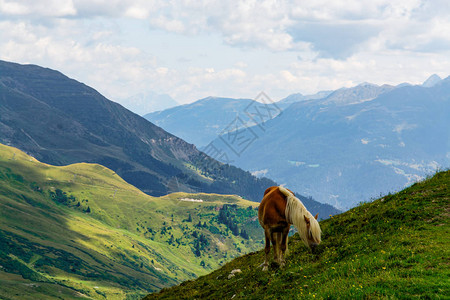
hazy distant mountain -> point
(432, 81)
(299, 97)
(61, 121)
(360, 93)
(144, 103)
(202, 121)
(403, 84)
(344, 149)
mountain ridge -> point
(323, 149)
(187, 120)
(393, 134)
(61, 121)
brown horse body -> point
(279, 209)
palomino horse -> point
(278, 210)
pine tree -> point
(244, 234)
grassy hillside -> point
(396, 247)
(80, 230)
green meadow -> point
(396, 247)
(81, 231)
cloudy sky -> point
(194, 49)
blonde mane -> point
(295, 213)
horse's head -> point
(296, 213)
(313, 232)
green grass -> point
(396, 247)
(128, 245)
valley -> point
(82, 230)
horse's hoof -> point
(264, 266)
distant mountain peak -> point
(365, 83)
(362, 92)
(297, 97)
(146, 102)
(432, 81)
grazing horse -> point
(278, 210)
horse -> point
(279, 209)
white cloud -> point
(339, 43)
(168, 24)
(137, 12)
(260, 173)
(330, 28)
(42, 8)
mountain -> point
(202, 121)
(206, 119)
(396, 247)
(345, 150)
(360, 93)
(144, 103)
(299, 97)
(80, 231)
(432, 81)
(61, 121)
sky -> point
(194, 49)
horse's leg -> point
(274, 238)
(266, 250)
(277, 236)
(280, 248)
(284, 243)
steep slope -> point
(81, 230)
(396, 247)
(342, 153)
(61, 121)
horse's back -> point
(268, 190)
(272, 208)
